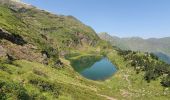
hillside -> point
(52, 35)
(33, 44)
(38, 51)
(154, 45)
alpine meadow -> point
(49, 56)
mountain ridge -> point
(139, 44)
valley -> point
(44, 56)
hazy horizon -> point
(113, 35)
(145, 19)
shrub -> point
(149, 63)
(8, 89)
(45, 86)
(166, 81)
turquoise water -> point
(96, 70)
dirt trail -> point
(107, 97)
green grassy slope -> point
(30, 80)
(42, 32)
(39, 27)
(127, 84)
(23, 79)
(32, 48)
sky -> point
(123, 18)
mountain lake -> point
(95, 68)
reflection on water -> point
(94, 68)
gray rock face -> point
(2, 52)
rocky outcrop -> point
(84, 39)
(17, 52)
(14, 38)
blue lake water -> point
(100, 69)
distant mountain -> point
(159, 46)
